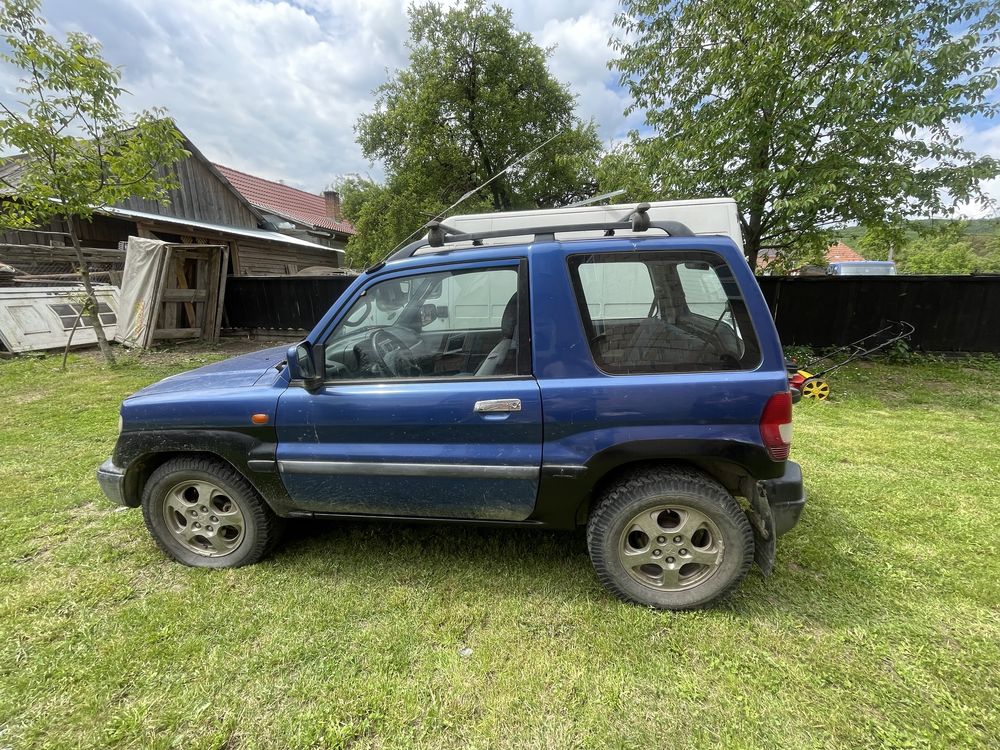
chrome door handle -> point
(498, 405)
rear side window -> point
(663, 312)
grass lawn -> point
(880, 627)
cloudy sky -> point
(273, 87)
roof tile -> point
(840, 252)
(295, 204)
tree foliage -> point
(808, 112)
(476, 96)
(940, 247)
(77, 150)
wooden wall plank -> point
(201, 196)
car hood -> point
(238, 372)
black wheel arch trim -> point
(248, 450)
(564, 501)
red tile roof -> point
(297, 205)
(840, 252)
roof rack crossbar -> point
(440, 234)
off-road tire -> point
(261, 528)
(645, 490)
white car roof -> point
(704, 217)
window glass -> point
(617, 290)
(444, 324)
(663, 312)
(703, 290)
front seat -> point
(496, 360)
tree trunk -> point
(102, 340)
(751, 248)
(69, 341)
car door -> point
(415, 419)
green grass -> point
(880, 627)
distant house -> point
(317, 218)
(205, 208)
(836, 253)
(839, 253)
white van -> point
(862, 268)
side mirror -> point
(428, 314)
(307, 363)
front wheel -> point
(669, 538)
(202, 513)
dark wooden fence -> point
(949, 313)
(280, 302)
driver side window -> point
(443, 324)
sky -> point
(274, 87)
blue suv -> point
(633, 385)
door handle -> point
(498, 405)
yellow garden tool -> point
(814, 384)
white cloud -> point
(275, 87)
(581, 59)
(984, 141)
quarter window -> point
(663, 312)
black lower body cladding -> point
(786, 497)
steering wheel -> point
(393, 355)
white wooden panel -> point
(39, 318)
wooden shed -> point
(205, 209)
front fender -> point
(249, 450)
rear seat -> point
(652, 340)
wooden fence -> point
(950, 313)
(280, 303)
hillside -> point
(979, 232)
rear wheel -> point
(669, 538)
(203, 513)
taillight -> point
(776, 426)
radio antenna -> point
(469, 194)
(595, 199)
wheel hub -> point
(203, 518)
(671, 548)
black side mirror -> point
(428, 314)
(307, 363)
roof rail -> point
(637, 220)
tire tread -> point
(270, 527)
(663, 479)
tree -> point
(944, 248)
(384, 215)
(79, 151)
(809, 113)
(476, 96)
(883, 241)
